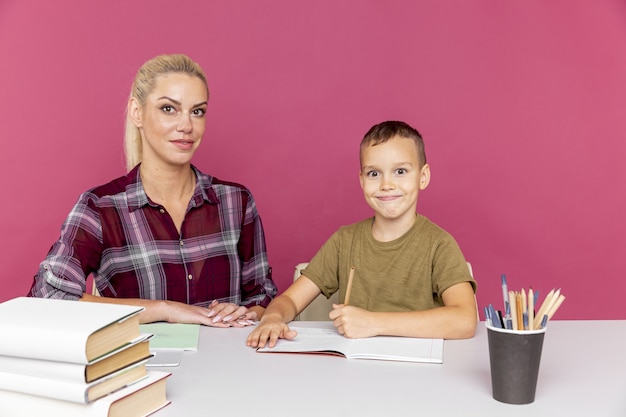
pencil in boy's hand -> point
(349, 288)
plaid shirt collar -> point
(137, 197)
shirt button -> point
(190, 276)
(162, 210)
(181, 243)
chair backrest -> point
(320, 307)
(94, 289)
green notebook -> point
(173, 335)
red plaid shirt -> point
(133, 249)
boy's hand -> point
(352, 322)
(269, 329)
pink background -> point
(521, 103)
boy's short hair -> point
(384, 131)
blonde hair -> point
(144, 84)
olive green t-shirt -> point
(406, 274)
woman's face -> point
(173, 119)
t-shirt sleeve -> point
(324, 266)
(449, 266)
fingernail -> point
(228, 318)
(211, 313)
(217, 318)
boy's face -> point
(391, 178)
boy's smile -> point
(391, 178)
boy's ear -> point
(424, 176)
(134, 112)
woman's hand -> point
(217, 315)
(230, 315)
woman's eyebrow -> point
(203, 103)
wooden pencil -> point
(555, 306)
(519, 310)
(542, 310)
(531, 309)
(349, 288)
(513, 308)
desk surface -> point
(582, 373)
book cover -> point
(140, 399)
(173, 336)
(73, 391)
(65, 330)
(390, 348)
(126, 355)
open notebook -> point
(328, 341)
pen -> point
(349, 288)
(495, 320)
(505, 292)
(507, 317)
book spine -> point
(16, 404)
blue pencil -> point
(495, 320)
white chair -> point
(320, 307)
(94, 289)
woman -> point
(186, 246)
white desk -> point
(582, 373)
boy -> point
(410, 277)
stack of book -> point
(74, 358)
